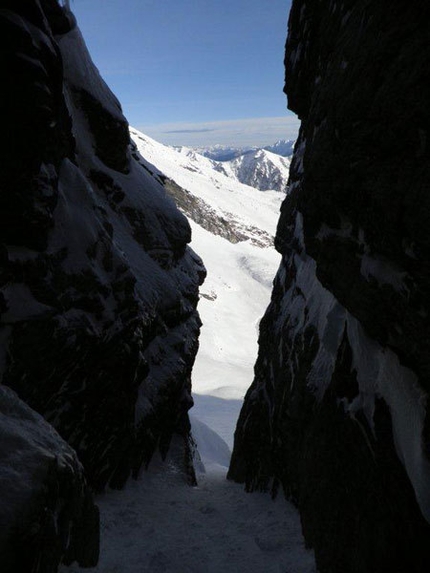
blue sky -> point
(194, 72)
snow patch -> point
(380, 373)
(383, 271)
(80, 71)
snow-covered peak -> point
(223, 152)
(261, 169)
(284, 147)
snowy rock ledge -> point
(98, 287)
(338, 413)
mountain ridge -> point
(260, 168)
(218, 152)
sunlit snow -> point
(237, 289)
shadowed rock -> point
(47, 513)
(98, 320)
(337, 414)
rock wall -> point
(338, 414)
(98, 288)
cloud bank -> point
(239, 132)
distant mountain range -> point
(262, 168)
(282, 147)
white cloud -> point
(239, 132)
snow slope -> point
(238, 284)
(221, 192)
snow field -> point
(239, 278)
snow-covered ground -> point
(160, 524)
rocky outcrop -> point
(225, 226)
(338, 412)
(46, 512)
(98, 324)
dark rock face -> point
(99, 288)
(337, 414)
(98, 324)
(47, 513)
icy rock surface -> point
(338, 411)
(98, 323)
(46, 509)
